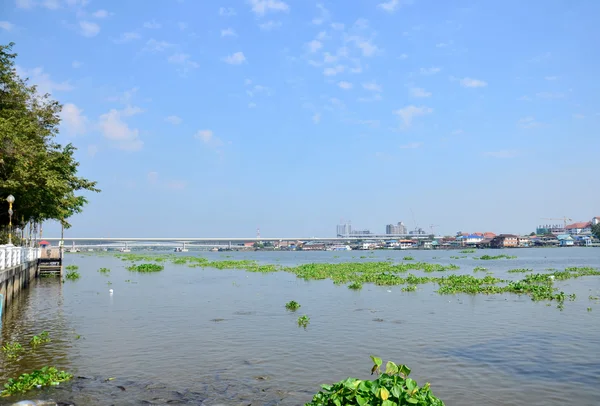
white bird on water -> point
(110, 291)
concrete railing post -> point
(3, 258)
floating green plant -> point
(589, 309)
(409, 288)
(501, 256)
(303, 321)
(71, 267)
(520, 270)
(104, 270)
(12, 350)
(479, 269)
(468, 251)
(355, 286)
(392, 388)
(46, 376)
(408, 258)
(292, 305)
(43, 338)
(72, 275)
(145, 268)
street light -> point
(10, 199)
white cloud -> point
(411, 145)
(525, 98)
(5, 25)
(235, 59)
(127, 37)
(419, 92)
(469, 82)
(175, 120)
(345, 85)
(251, 105)
(206, 136)
(73, 120)
(314, 45)
(389, 6)
(182, 26)
(152, 25)
(334, 70)
(550, 95)
(184, 62)
(89, 29)
(76, 64)
(337, 26)
(270, 25)
(368, 49)
(457, 132)
(403, 56)
(328, 58)
(152, 177)
(100, 13)
(316, 118)
(551, 77)
(503, 153)
(409, 112)
(443, 44)
(261, 7)
(578, 116)
(153, 45)
(42, 80)
(374, 98)
(430, 71)
(361, 24)
(51, 4)
(228, 32)
(528, 122)
(372, 86)
(116, 130)
(226, 11)
(323, 15)
(25, 4)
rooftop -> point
(584, 224)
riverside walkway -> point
(18, 266)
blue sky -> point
(213, 118)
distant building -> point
(566, 240)
(344, 230)
(555, 229)
(395, 229)
(505, 241)
(360, 233)
(418, 231)
(579, 228)
(595, 220)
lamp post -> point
(10, 199)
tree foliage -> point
(596, 230)
(40, 173)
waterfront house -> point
(505, 241)
(524, 241)
(579, 228)
(489, 235)
(566, 240)
(406, 244)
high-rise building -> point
(344, 229)
(399, 228)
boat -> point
(181, 249)
(214, 249)
(125, 249)
(339, 247)
(73, 249)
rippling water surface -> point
(206, 336)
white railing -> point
(12, 256)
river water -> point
(222, 337)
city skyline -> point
(204, 119)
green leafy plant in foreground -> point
(73, 275)
(42, 377)
(292, 305)
(43, 338)
(392, 388)
(146, 268)
(303, 321)
(12, 350)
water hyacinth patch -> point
(43, 338)
(73, 275)
(292, 306)
(303, 321)
(392, 388)
(490, 257)
(12, 350)
(71, 267)
(145, 268)
(104, 270)
(355, 286)
(46, 376)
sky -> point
(215, 118)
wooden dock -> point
(50, 262)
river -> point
(222, 337)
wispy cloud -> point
(42, 80)
(237, 58)
(226, 11)
(228, 32)
(503, 153)
(175, 120)
(208, 138)
(337, 26)
(372, 86)
(551, 78)
(469, 82)
(316, 118)
(314, 45)
(323, 15)
(419, 92)
(409, 112)
(549, 95)
(88, 28)
(5, 25)
(430, 71)
(127, 37)
(152, 25)
(262, 7)
(76, 64)
(390, 6)
(73, 120)
(100, 14)
(153, 45)
(528, 122)
(114, 128)
(578, 116)
(270, 25)
(333, 70)
(345, 85)
(184, 62)
(411, 145)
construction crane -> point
(564, 219)
(432, 226)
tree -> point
(596, 230)
(40, 173)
